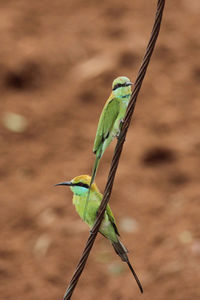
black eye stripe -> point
(118, 85)
(82, 185)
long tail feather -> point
(121, 250)
(94, 171)
(135, 276)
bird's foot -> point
(121, 123)
(120, 128)
(118, 134)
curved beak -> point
(68, 183)
(129, 83)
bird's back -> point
(106, 122)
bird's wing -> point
(106, 122)
(112, 219)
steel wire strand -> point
(118, 149)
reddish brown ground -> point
(57, 63)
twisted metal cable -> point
(118, 149)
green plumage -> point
(108, 228)
(108, 126)
(109, 122)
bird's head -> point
(80, 185)
(121, 87)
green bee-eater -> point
(80, 186)
(110, 120)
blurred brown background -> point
(57, 63)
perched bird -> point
(79, 186)
(110, 121)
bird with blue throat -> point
(108, 228)
(110, 121)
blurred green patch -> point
(116, 268)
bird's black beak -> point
(129, 83)
(68, 183)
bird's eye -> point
(82, 185)
(118, 85)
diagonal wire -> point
(118, 149)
